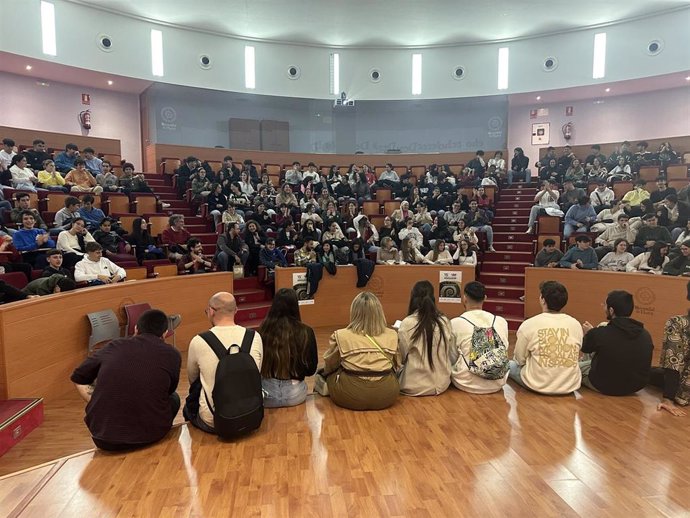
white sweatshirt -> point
(548, 348)
(87, 270)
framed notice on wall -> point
(540, 133)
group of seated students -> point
(640, 232)
(368, 364)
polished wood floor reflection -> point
(509, 454)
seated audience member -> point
(410, 254)
(93, 164)
(56, 283)
(334, 235)
(287, 235)
(621, 172)
(270, 257)
(618, 258)
(217, 204)
(673, 215)
(652, 261)
(674, 371)
(493, 329)
(477, 166)
(409, 231)
(65, 160)
(96, 269)
(548, 346)
(388, 253)
(401, 215)
(566, 159)
(107, 179)
(194, 261)
(142, 242)
(662, 190)
(255, 238)
(465, 255)
(50, 179)
(37, 155)
(23, 205)
(72, 242)
(231, 249)
(571, 195)
(202, 360)
(476, 218)
(581, 256)
(286, 196)
(355, 252)
(649, 233)
(680, 265)
(32, 241)
(550, 155)
(54, 257)
(455, 215)
(184, 173)
(130, 385)
(289, 352)
(388, 230)
(66, 215)
(389, 178)
(550, 172)
(546, 198)
(499, 163)
(80, 180)
(519, 167)
(608, 217)
(7, 153)
(601, 197)
(361, 360)
(175, 236)
(366, 231)
(632, 199)
(293, 177)
(232, 216)
(576, 173)
(549, 256)
(425, 342)
(579, 217)
(305, 254)
(113, 244)
(621, 351)
(621, 230)
(595, 154)
(439, 254)
(598, 170)
(201, 186)
(22, 177)
(92, 216)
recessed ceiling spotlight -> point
(687, 78)
(538, 97)
(607, 90)
(110, 82)
(29, 67)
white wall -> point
(79, 26)
(659, 114)
(56, 108)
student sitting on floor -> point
(361, 359)
(133, 402)
(425, 339)
(290, 353)
(548, 346)
(621, 351)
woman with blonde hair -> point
(425, 339)
(361, 360)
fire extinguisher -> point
(85, 119)
(567, 130)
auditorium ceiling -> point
(376, 23)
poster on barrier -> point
(299, 284)
(450, 287)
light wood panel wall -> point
(390, 283)
(680, 145)
(43, 340)
(657, 298)
(25, 137)
(155, 152)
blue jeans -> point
(278, 393)
(514, 373)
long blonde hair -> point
(366, 315)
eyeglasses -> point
(210, 307)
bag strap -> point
(247, 341)
(380, 349)
(214, 343)
(471, 323)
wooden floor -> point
(510, 454)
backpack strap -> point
(247, 341)
(467, 320)
(214, 343)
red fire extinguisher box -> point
(18, 417)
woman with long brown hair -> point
(290, 352)
(425, 339)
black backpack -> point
(237, 394)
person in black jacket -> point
(518, 167)
(621, 351)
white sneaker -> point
(491, 249)
(529, 231)
(165, 205)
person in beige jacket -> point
(425, 339)
(361, 360)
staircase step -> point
(256, 323)
(505, 307)
(515, 198)
(249, 295)
(503, 267)
(495, 291)
(512, 228)
(513, 246)
(247, 283)
(509, 220)
(252, 311)
(514, 204)
(513, 236)
(519, 212)
(518, 257)
(507, 279)
(513, 322)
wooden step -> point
(252, 311)
(496, 291)
(247, 283)
(500, 278)
(513, 204)
(515, 228)
(505, 307)
(513, 236)
(517, 257)
(513, 246)
(250, 295)
(503, 267)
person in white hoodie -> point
(548, 346)
(96, 269)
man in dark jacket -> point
(621, 351)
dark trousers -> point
(191, 407)
(111, 446)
